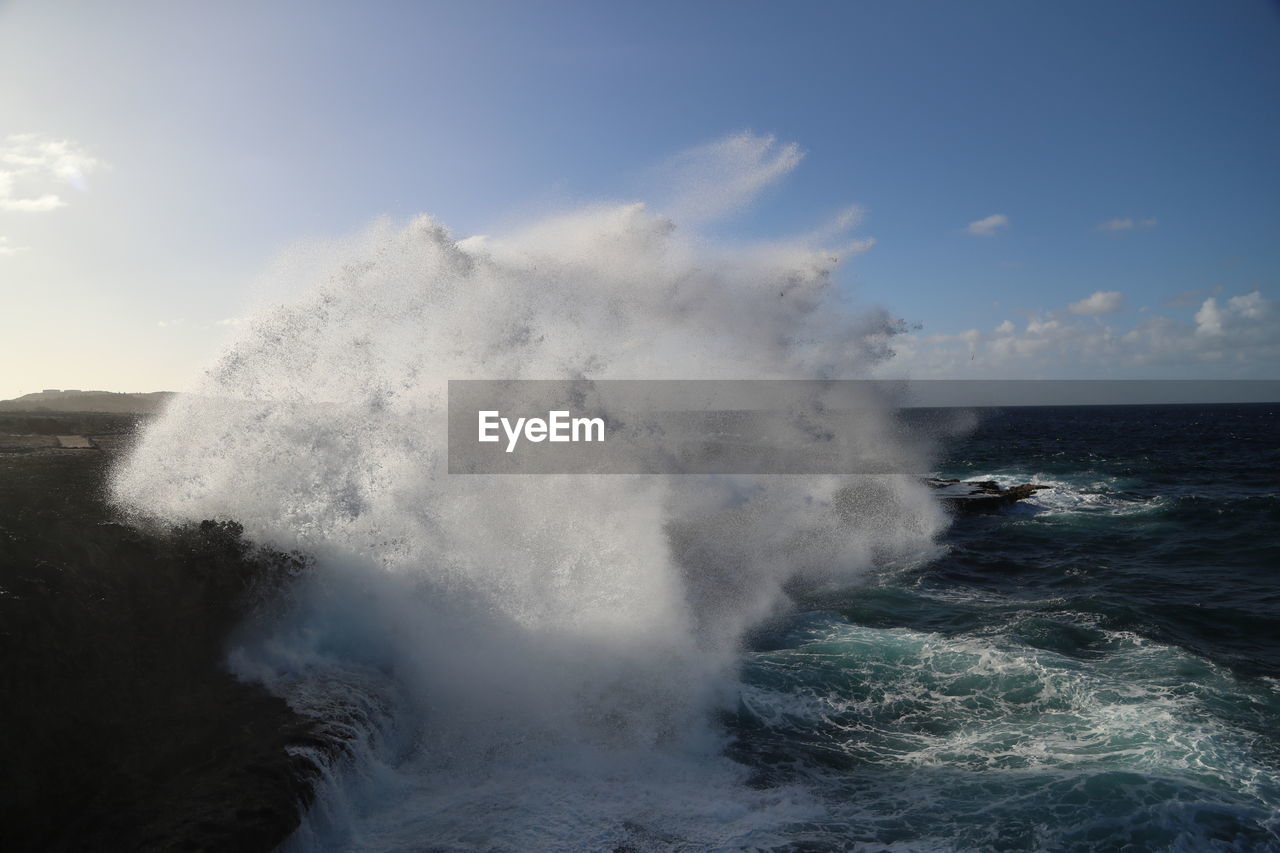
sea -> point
(636, 662)
(1094, 668)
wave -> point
(990, 744)
(528, 661)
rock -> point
(979, 495)
(121, 727)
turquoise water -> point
(1095, 668)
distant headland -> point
(75, 400)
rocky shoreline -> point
(121, 727)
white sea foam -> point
(964, 726)
(523, 661)
(1078, 494)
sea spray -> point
(526, 661)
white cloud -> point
(33, 166)
(1232, 337)
(1239, 313)
(1128, 223)
(49, 201)
(6, 249)
(1036, 326)
(989, 226)
(1100, 302)
(1251, 305)
(1209, 318)
(232, 321)
(169, 324)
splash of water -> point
(572, 631)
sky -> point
(1054, 190)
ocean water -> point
(732, 662)
(531, 662)
(1094, 668)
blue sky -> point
(154, 158)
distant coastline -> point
(110, 402)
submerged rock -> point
(979, 495)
